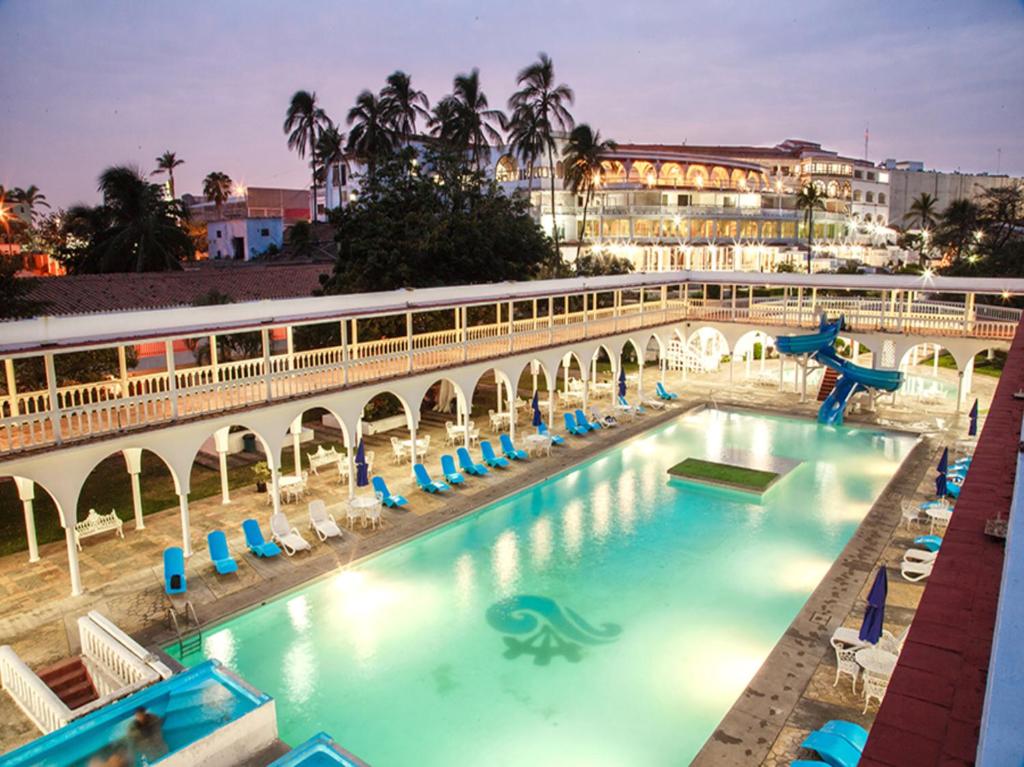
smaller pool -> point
(192, 705)
(318, 751)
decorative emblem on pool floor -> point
(547, 629)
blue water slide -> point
(852, 378)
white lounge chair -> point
(920, 555)
(286, 535)
(915, 571)
(322, 521)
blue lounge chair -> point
(451, 474)
(556, 439)
(834, 749)
(662, 393)
(572, 428)
(638, 409)
(174, 571)
(583, 423)
(490, 458)
(390, 499)
(856, 735)
(929, 542)
(254, 539)
(511, 451)
(425, 482)
(219, 554)
(467, 464)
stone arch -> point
(641, 171)
(506, 169)
(10, 495)
(696, 175)
(504, 391)
(613, 171)
(671, 174)
(131, 460)
(737, 178)
(719, 176)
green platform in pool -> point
(725, 475)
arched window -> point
(881, 197)
(856, 195)
(832, 189)
(869, 197)
(867, 217)
(506, 169)
(880, 219)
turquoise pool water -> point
(608, 616)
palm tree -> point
(526, 141)
(137, 230)
(582, 156)
(958, 228)
(329, 150)
(549, 104)
(303, 122)
(402, 105)
(31, 198)
(811, 198)
(472, 124)
(217, 189)
(923, 211)
(166, 163)
(370, 137)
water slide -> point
(852, 378)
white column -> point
(935, 362)
(275, 487)
(27, 494)
(764, 351)
(172, 377)
(73, 569)
(267, 373)
(220, 441)
(351, 460)
(512, 415)
(289, 346)
(133, 460)
(51, 385)
(552, 393)
(414, 452)
(296, 430)
(186, 535)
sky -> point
(90, 83)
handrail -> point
(39, 702)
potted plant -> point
(261, 472)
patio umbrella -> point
(943, 466)
(973, 430)
(622, 382)
(537, 419)
(940, 485)
(874, 615)
(362, 470)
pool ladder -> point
(191, 639)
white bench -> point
(322, 458)
(94, 523)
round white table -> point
(421, 446)
(940, 515)
(537, 442)
(877, 662)
(360, 506)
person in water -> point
(146, 734)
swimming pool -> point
(607, 616)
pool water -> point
(608, 616)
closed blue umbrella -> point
(874, 615)
(362, 470)
(940, 486)
(943, 466)
(973, 430)
(537, 419)
(622, 382)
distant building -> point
(289, 205)
(243, 239)
(909, 180)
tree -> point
(810, 199)
(166, 163)
(957, 230)
(230, 346)
(582, 158)
(302, 123)
(592, 265)
(14, 293)
(300, 238)
(135, 229)
(549, 104)
(369, 137)
(403, 105)
(923, 211)
(471, 125)
(31, 198)
(217, 189)
(444, 120)
(526, 141)
(330, 149)
(444, 226)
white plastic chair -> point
(874, 689)
(911, 512)
(449, 435)
(289, 537)
(890, 643)
(422, 446)
(940, 520)
(474, 433)
(398, 449)
(372, 514)
(846, 663)
(323, 522)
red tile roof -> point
(86, 294)
(932, 709)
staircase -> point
(828, 383)
(70, 681)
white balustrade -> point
(39, 702)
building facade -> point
(243, 239)
(289, 205)
(909, 180)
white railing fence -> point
(39, 702)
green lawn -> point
(723, 473)
(982, 366)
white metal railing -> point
(152, 399)
(39, 702)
